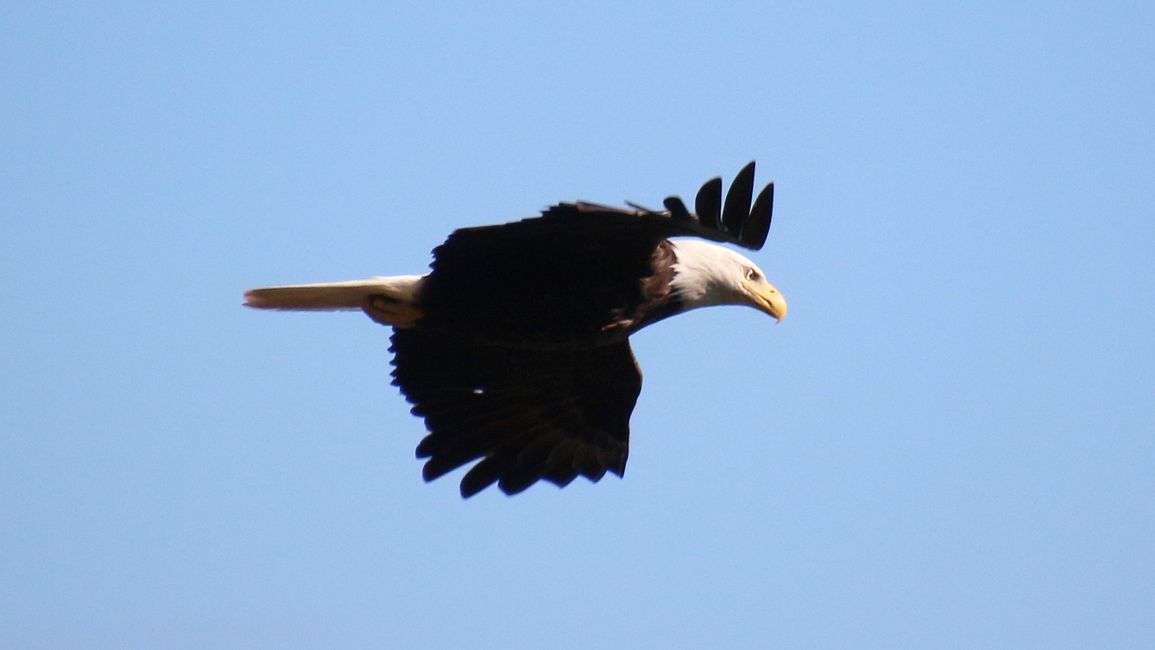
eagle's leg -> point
(391, 311)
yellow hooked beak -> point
(764, 297)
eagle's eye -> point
(752, 274)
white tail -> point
(330, 296)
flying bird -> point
(515, 349)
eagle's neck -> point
(705, 275)
(685, 275)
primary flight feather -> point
(515, 349)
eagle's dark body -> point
(547, 394)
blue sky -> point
(949, 442)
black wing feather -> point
(708, 203)
(758, 225)
(677, 209)
(737, 209)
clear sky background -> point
(949, 443)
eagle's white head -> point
(707, 274)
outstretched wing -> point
(734, 221)
(525, 414)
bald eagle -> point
(515, 349)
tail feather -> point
(332, 296)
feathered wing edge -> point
(732, 220)
(517, 416)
